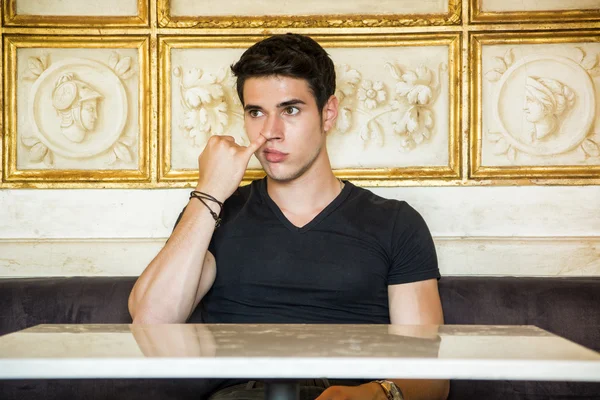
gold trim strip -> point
(118, 30)
(11, 18)
(452, 17)
(476, 15)
(476, 169)
(437, 182)
(2, 114)
(11, 173)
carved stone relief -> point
(394, 106)
(80, 107)
(539, 107)
(77, 7)
(538, 5)
(204, 103)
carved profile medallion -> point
(78, 108)
(545, 105)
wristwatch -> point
(391, 390)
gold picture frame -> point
(517, 173)
(12, 19)
(16, 177)
(166, 20)
(478, 16)
(376, 176)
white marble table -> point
(294, 351)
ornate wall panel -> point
(398, 96)
(307, 13)
(535, 102)
(539, 10)
(76, 13)
(77, 109)
(427, 97)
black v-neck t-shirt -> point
(335, 269)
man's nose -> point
(273, 127)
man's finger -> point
(228, 138)
(255, 145)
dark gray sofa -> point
(569, 307)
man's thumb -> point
(255, 145)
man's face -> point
(284, 111)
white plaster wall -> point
(539, 231)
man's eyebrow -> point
(252, 107)
(288, 103)
(283, 104)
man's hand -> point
(222, 165)
(368, 391)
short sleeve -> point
(413, 252)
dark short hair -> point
(291, 55)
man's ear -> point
(330, 112)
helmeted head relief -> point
(75, 101)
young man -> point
(299, 246)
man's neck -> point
(305, 197)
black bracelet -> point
(200, 196)
(205, 196)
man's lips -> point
(274, 156)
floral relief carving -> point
(78, 109)
(408, 112)
(557, 99)
(346, 86)
(208, 103)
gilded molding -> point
(42, 147)
(476, 15)
(588, 147)
(452, 17)
(11, 18)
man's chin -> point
(281, 176)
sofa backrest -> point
(568, 307)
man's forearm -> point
(166, 290)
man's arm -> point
(174, 282)
(168, 290)
(416, 303)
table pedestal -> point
(282, 390)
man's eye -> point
(255, 113)
(291, 110)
